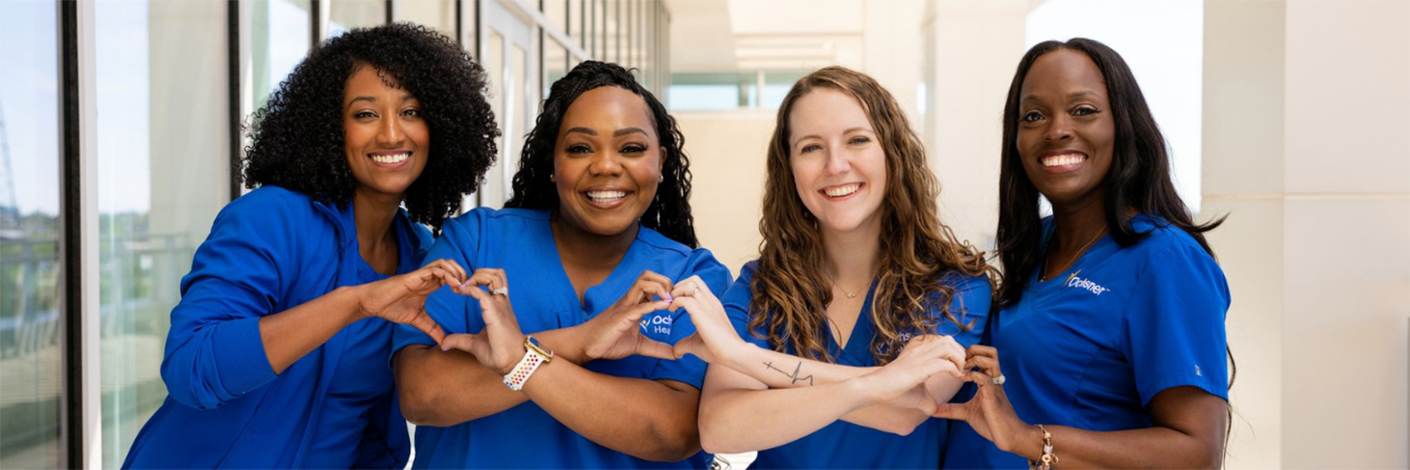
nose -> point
(389, 132)
(836, 163)
(606, 164)
(1059, 129)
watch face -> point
(539, 346)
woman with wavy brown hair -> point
(854, 318)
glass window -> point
(577, 22)
(344, 15)
(31, 358)
(555, 63)
(163, 174)
(279, 40)
(435, 14)
(557, 13)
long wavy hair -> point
(1139, 178)
(918, 253)
(669, 212)
(298, 134)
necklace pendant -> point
(851, 295)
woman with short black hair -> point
(276, 357)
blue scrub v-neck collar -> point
(589, 305)
(858, 347)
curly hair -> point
(918, 253)
(669, 212)
(298, 134)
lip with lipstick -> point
(840, 192)
(390, 159)
(606, 197)
(1062, 161)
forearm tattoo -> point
(794, 374)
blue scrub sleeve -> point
(214, 352)
(1175, 323)
(691, 369)
(459, 242)
(970, 307)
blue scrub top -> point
(269, 251)
(846, 445)
(520, 241)
(1091, 347)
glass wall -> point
(164, 99)
(31, 357)
(162, 151)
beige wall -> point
(727, 152)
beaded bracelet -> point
(1048, 458)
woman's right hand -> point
(923, 356)
(402, 298)
(616, 332)
(715, 338)
(501, 344)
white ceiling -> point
(732, 35)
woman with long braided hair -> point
(597, 233)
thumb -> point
(652, 348)
(955, 411)
(459, 341)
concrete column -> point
(1242, 176)
(891, 42)
(1346, 234)
(970, 51)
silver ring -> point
(1000, 380)
(500, 291)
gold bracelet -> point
(1046, 461)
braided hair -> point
(669, 212)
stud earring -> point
(550, 177)
(660, 178)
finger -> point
(658, 279)
(688, 287)
(652, 348)
(984, 381)
(957, 411)
(481, 277)
(690, 304)
(647, 289)
(982, 350)
(634, 314)
(988, 365)
(429, 326)
(459, 341)
(687, 346)
(460, 271)
(457, 274)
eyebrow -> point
(815, 136)
(1073, 95)
(373, 99)
(617, 133)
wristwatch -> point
(535, 355)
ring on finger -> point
(999, 379)
(500, 291)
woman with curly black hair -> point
(276, 354)
(596, 234)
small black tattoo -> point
(794, 375)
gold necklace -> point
(1042, 277)
(850, 295)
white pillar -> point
(971, 50)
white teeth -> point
(606, 196)
(394, 158)
(839, 191)
(1063, 160)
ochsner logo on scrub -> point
(659, 324)
(1086, 284)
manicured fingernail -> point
(466, 283)
(669, 299)
(445, 347)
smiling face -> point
(384, 136)
(1065, 129)
(607, 161)
(838, 164)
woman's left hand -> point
(616, 332)
(714, 338)
(402, 298)
(501, 344)
(989, 412)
